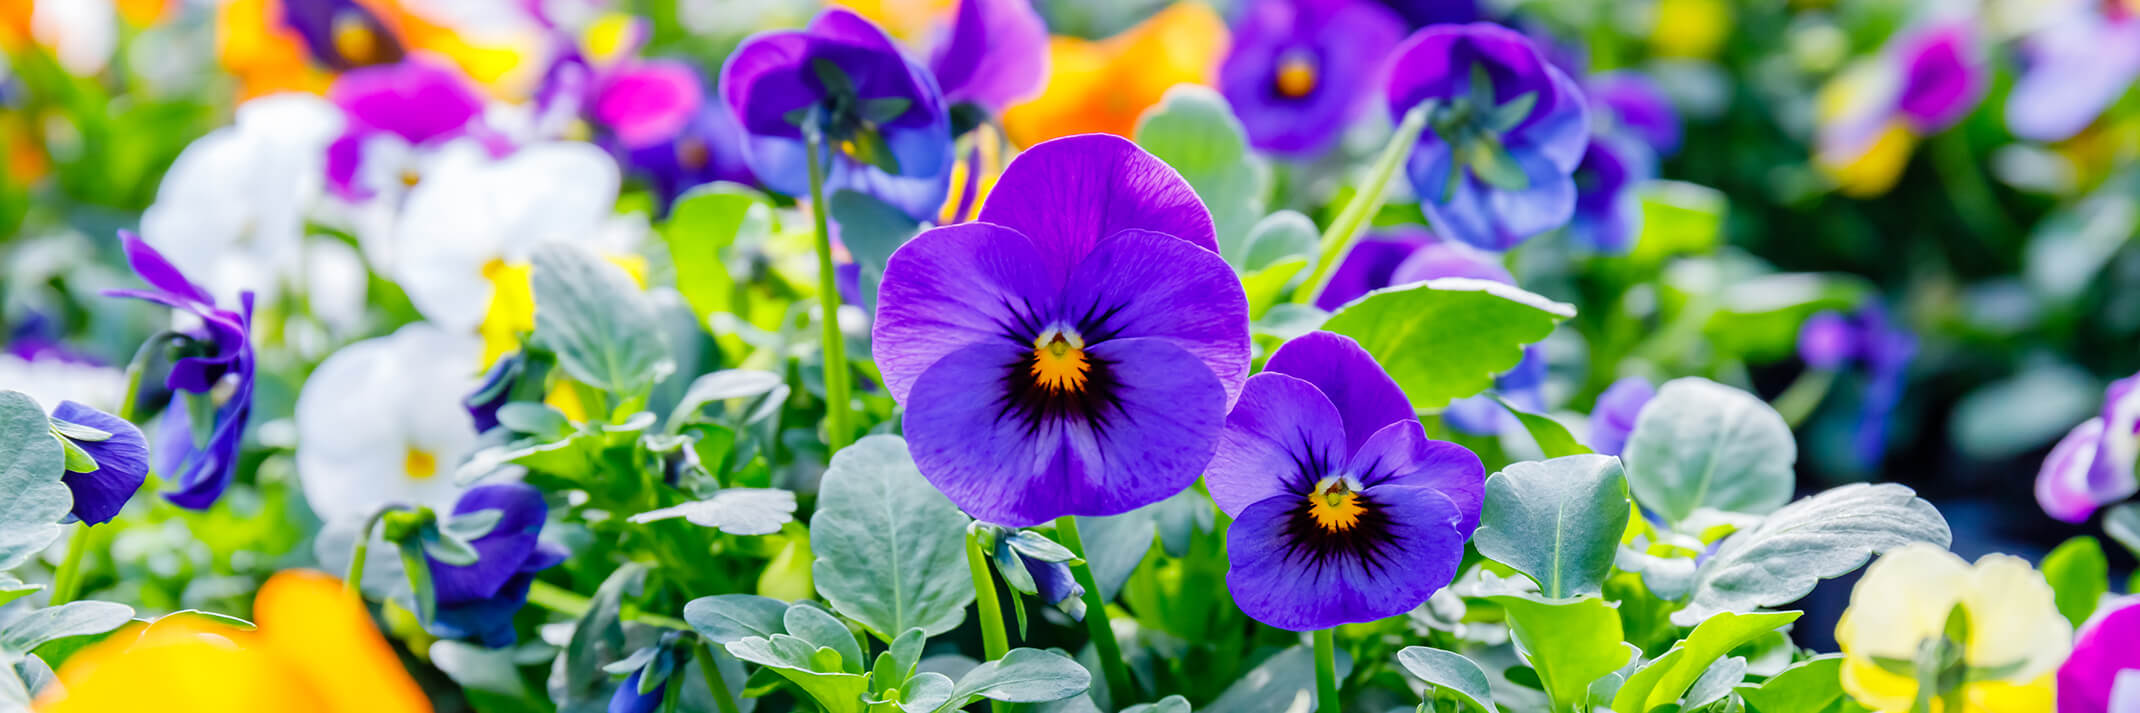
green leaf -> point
(601, 326)
(1024, 676)
(469, 526)
(1446, 339)
(13, 588)
(728, 618)
(1665, 679)
(872, 230)
(1701, 444)
(1280, 235)
(821, 630)
(1264, 286)
(82, 618)
(1818, 537)
(1557, 521)
(736, 511)
(78, 432)
(831, 77)
(535, 419)
(1678, 218)
(576, 677)
(1571, 643)
(1450, 671)
(1512, 112)
(795, 660)
(1169, 704)
(890, 548)
(702, 225)
(2079, 575)
(30, 469)
(722, 386)
(1284, 680)
(925, 692)
(2121, 523)
(1715, 683)
(1193, 130)
(1553, 438)
(1480, 92)
(884, 109)
(78, 460)
(1810, 686)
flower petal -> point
(2062, 483)
(952, 287)
(1068, 194)
(996, 55)
(1279, 583)
(1282, 436)
(503, 551)
(1139, 283)
(1401, 455)
(122, 463)
(1365, 395)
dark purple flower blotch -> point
(1074, 350)
(1505, 131)
(478, 601)
(1300, 71)
(1613, 418)
(122, 462)
(217, 352)
(1344, 511)
(341, 34)
(882, 120)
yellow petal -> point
(1903, 599)
(1869, 170)
(909, 20)
(2013, 616)
(1876, 688)
(1691, 28)
(1999, 697)
(324, 634)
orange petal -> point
(1104, 87)
(324, 634)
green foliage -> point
(1810, 686)
(1557, 521)
(1570, 643)
(600, 325)
(30, 468)
(2079, 575)
(890, 548)
(1450, 672)
(1193, 130)
(1700, 444)
(1666, 679)
(1445, 339)
(1821, 536)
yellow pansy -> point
(1899, 614)
(1870, 169)
(1860, 148)
(316, 651)
(1103, 86)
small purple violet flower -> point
(1613, 418)
(216, 354)
(341, 34)
(1300, 71)
(1505, 131)
(1631, 103)
(1344, 511)
(880, 120)
(478, 601)
(2063, 488)
(1371, 263)
(121, 455)
(1074, 350)
(1872, 341)
(1608, 214)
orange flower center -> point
(354, 39)
(1335, 505)
(1059, 361)
(1296, 75)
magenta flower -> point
(2093, 465)
(1074, 350)
(394, 113)
(217, 352)
(1300, 71)
(2102, 675)
(1943, 76)
(1505, 132)
(1344, 511)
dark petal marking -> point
(1361, 545)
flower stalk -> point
(1344, 232)
(1326, 683)
(1120, 689)
(838, 432)
(993, 639)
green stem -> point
(1120, 689)
(554, 598)
(993, 639)
(67, 581)
(672, 690)
(1326, 683)
(838, 432)
(1344, 232)
(711, 670)
(1797, 402)
(353, 579)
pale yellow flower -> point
(2016, 637)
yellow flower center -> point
(1335, 505)
(354, 39)
(1296, 75)
(418, 463)
(1059, 361)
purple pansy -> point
(2062, 485)
(1522, 387)
(1871, 341)
(1369, 265)
(478, 601)
(1608, 214)
(2109, 474)
(1505, 131)
(2102, 675)
(1613, 418)
(1073, 351)
(1631, 103)
(2072, 71)
(995, 55)
(217, 351)
(1300, 71)
(882, 123)
(1344, 511)
(122, 462)
(341, 34)
(395, 111)
(708, 149)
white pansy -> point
(82, 34)
(472, 213)
(380, 421)
(51, 381)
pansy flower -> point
(214, 365)
(396, 114)
(1344, 511)
(37, 362)
(1907, 609)
(478, 601)
(879, 119)
(2103, 673)
(1505, 131)
(119, 460)
(1872, 114)
(1104, 86)
(1300, 71)
(1608, 214)
(380, 422)
(2093, 465)
(1873, 343)
(1074, 350)
(1371, 263)
(1522, 386)
(2073, 70)
(994, 55)
(1629, 103)
(1613, 417)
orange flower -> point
(1103, 86)
(315, 651)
